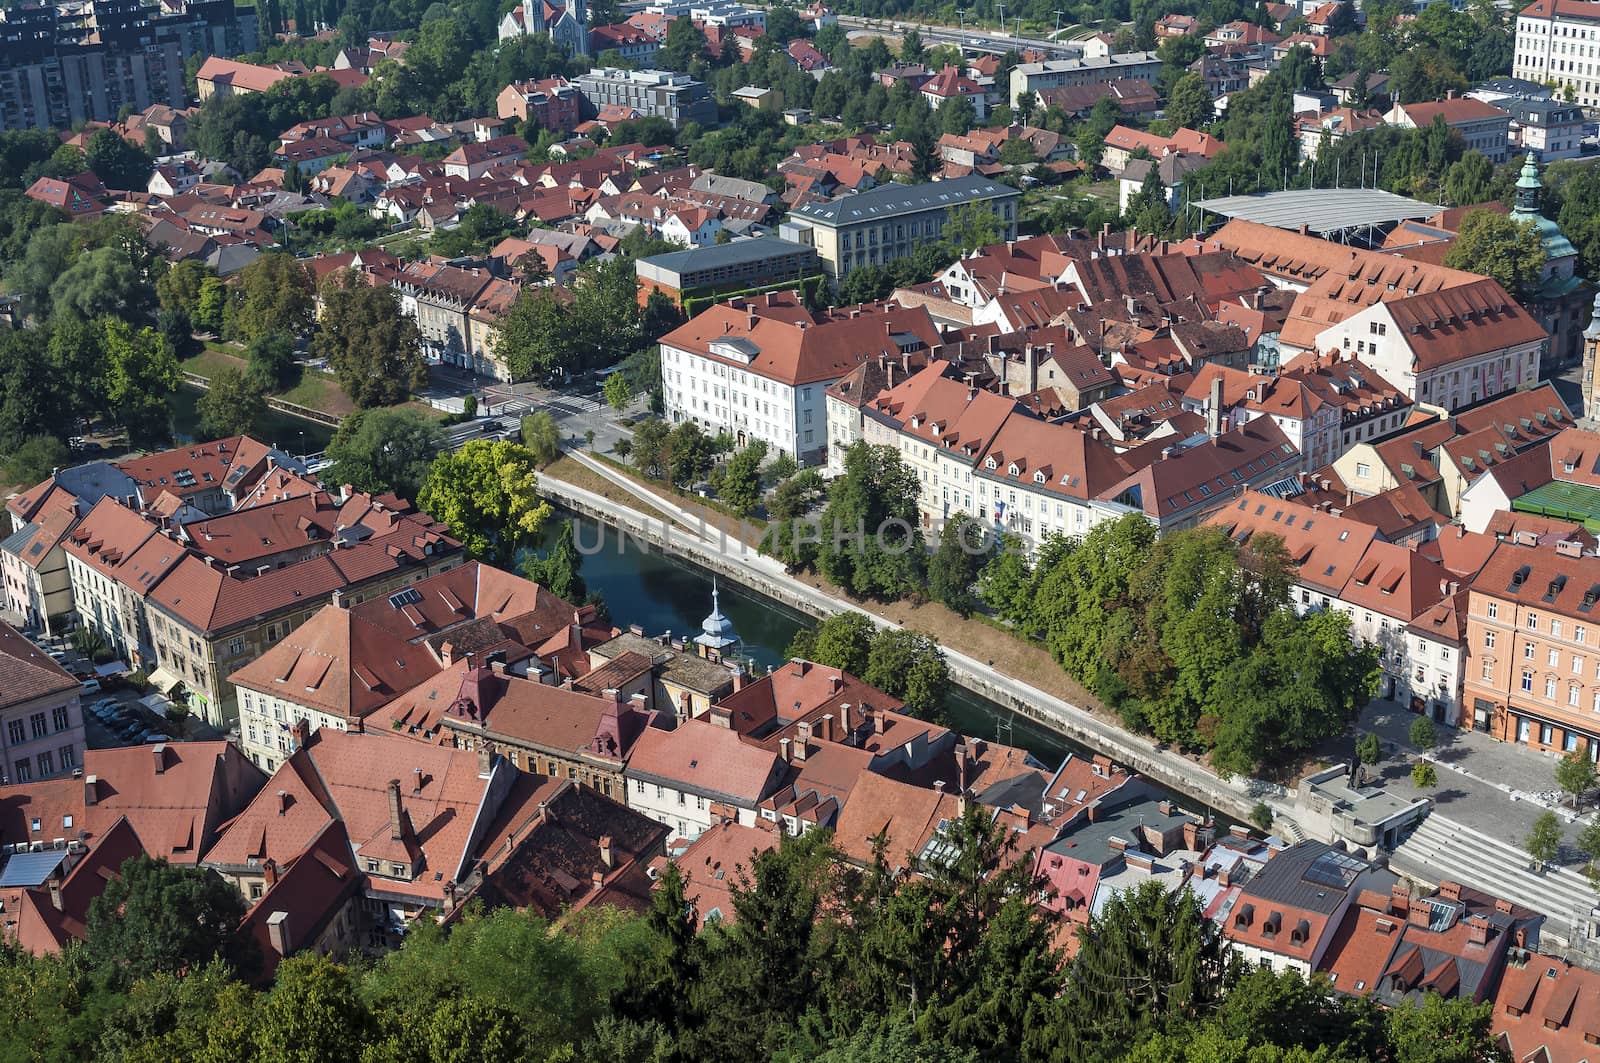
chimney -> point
(394, 810)
(783, 749)
(844, 722)
(485, 759)
(269, 872)
(283, 802)
(159, 753)
(91, 790)
(1214, 408)
(605, 850)
(877, 721)
(802, 739)
(1478, 930)
(278, 932)
(835, 683)
(961, 767)
(301, 733)
(827, 727)
(55, 892)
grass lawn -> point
(316, 390)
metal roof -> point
(30, 869)
(732, 253)
(890, 199)
(1321, 210)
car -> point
(91, 686)
(91, 447)
(155, 737)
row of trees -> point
(903, 664)
(822, 961)
(1190, 637)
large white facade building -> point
(1558, 41)
(757, 367)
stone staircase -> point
(1441, 848)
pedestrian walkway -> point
(1499, 787)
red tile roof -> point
(700, 756)
(27, 672)
(1545, 1003)
(715, 862)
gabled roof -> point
(339, 663)
(713, 863)
(1324, 548)
(28, 673)
(703, 758)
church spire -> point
(1528, 188)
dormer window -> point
(1012, 470)
(1038, 477)
(990, 463)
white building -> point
(567, 25)
(701, 772)
(1558, 41)
(1448, 348)
(756, 367)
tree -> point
(1189, 103)
(1575, 775)
(385, 450)
(560, 568)
(1501, 247)
(651, 451)
(542, 436)
(1589, 846)
(683, 47)
(1469, 180)
(689, 452)
(116, 162)
(211, 306)
(487, 493)
(910, 667)
(871, 528)
(140, 374)
(373, 348)
(232, 405)
(153, 916)
(312, 1015)
(911, 49)
(741, 479)
(277, 294)
(1148, 961)
(1440, 1031)
(35, 458)
(961, 555)
(618, 393)
(271, 362)
(1424, 776)
(532, 336)
(1369, 750)
(842, 641)
(179, 287)
(972, 226)
(1422, 734)
(796, 495)
(1543, 842)
(103, 281)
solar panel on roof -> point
(402, 598)
(30, 869)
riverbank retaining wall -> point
(1235, 798)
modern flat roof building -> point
(1090, 70)
(678, 98)
(738, 264)
(1331, 213)
(891, 221)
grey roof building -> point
(737, 264)
(893, 220)
(678, 98)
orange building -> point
(1533, 644)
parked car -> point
(91, 686)
(150, 738)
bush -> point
(1261, 816)
(469, 407)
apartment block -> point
(889, 222)
(63, 65)
(678, 98)
(1533, 676)
(1556, 44)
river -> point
(285, 431)
(661, 593)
